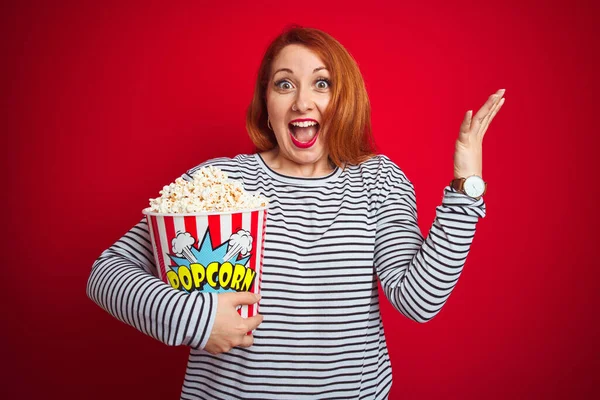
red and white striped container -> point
(200, 265)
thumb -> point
(254, 322)
(466, 124)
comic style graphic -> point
(213, 253)
(222, 269)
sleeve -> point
(416, 274)
(123, 282)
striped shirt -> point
(327, 242)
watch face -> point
(474, 186)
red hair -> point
(349, 139)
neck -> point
(284, 166)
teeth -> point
(304, 124)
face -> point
(298, 93)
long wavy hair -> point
(348, 137)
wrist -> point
(472, 185)
(466, 173)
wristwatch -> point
(473, 186)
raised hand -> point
(229, 329)
(469, 145)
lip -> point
(306, 145)
(304, 120)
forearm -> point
(121, 284)
(419, 283)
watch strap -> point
(458, 184)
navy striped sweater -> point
(327, 242)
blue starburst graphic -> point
(206, 254)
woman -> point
(339, 218)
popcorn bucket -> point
(210, 251)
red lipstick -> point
(304, 145)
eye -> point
(283, 84)
(323, 83)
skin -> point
(229, 329)
(306, 97)
(296, 89)
(468, 159)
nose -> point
(304, 101)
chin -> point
(312, 156)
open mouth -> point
(304, 133)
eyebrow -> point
(291, 72)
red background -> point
(104, 103)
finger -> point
(479, 118)
(254, 322)
(497, 108)
(481, 113)
(500, 103)
(244, 298)
(488, 118)
(466, 124)
(247, 341)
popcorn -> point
(210, 190)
